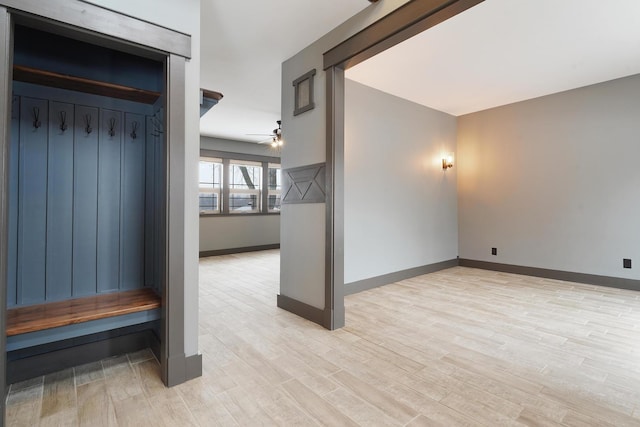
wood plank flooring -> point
(461, 347)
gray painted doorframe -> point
(106, 27)
(403, 23)
(5, 111)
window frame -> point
(278, 190)
(230, 158)
(211, 190)
(257, 192)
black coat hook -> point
(63, 121)
(87, 121)
(134, 130)
(36, 118)
(112, 127)
(157, 126)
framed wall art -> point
(304, 93)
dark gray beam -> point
(408, 20)
(87, 16)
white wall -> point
(240, 231)
(303, 225)
(183, 16)
(553, 182)
(400, 206)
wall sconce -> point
(447, 161)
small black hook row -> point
(36, 118)
(134, 130)
(112, 127)
(87, 121)
(157, 125)
(63, 121)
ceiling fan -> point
(275, 137)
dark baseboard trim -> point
(182, 369)
(46, 359)
(230, 251)
(568, 276)
(301, 309)
(385, 279)
(194, 366)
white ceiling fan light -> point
(275, 139)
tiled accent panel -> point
(304, 184)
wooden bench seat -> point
(22, 320)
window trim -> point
(212, 190)
(228, 158)
(268, 191)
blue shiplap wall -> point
(81, 198)
(109, 148)
(133, 202)
(12, 244)
(85, 200)
(59, 201)
(154, 198)
(32, 200)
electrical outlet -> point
(626, 263)
(494, 251)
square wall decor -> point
(304, 93)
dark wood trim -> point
(385, 279)
(334, 200)
(406, 21)
(212, 94)
(401, 24)
(568, 276)
(80, 84)
(172, 363)
(299, 109)
(236, 215)
(301, 309)
(217, 252)
(84, 18)
(22, 320)
(45, 359)
(194, 366)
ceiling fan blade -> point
(259, 134)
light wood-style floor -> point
(458, 347)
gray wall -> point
(400, 206)
(241, 231)
(553, 182)
(304, 225)
(210, 143)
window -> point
(239, 184)
(274, 187)
(245, 182)
(210, 185)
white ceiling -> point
(504, 51)
(496, 53)
(243, 44)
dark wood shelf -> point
(212, 94)
(80, 84)
(21, 320)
